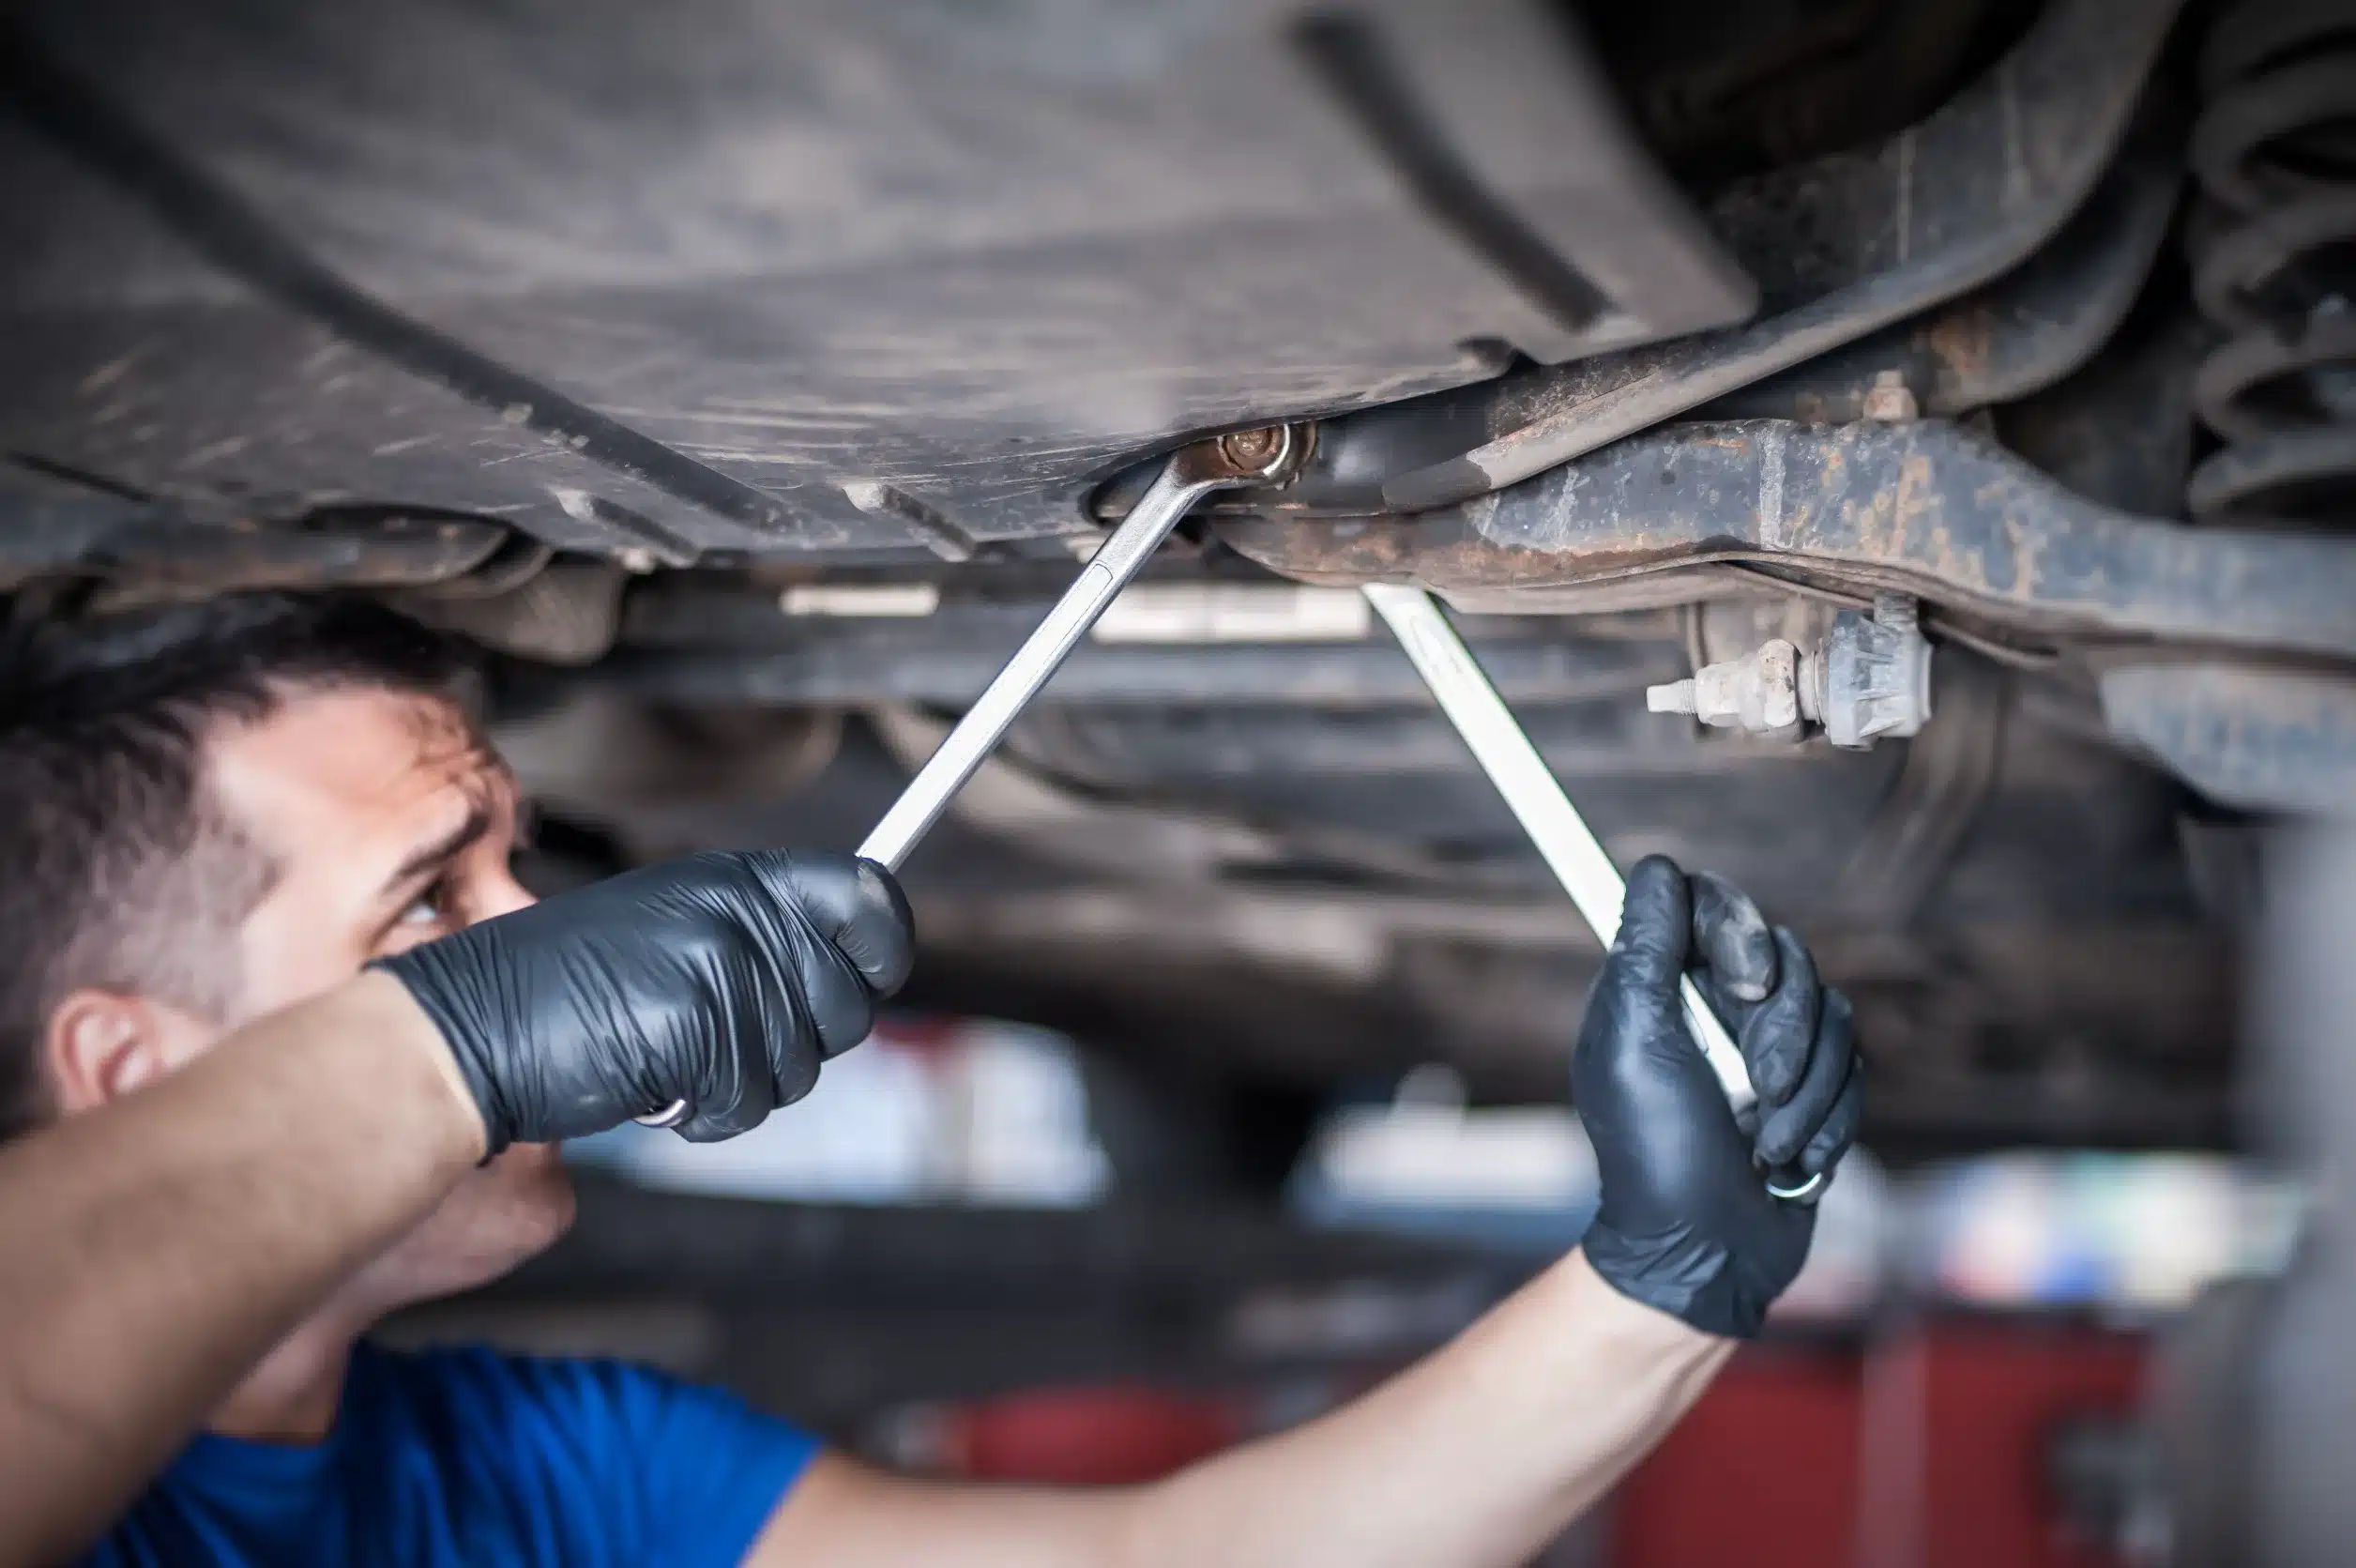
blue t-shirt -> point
(464, 1456)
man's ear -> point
(101, 1046)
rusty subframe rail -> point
(1927, 508)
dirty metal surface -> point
(1842, 247)
(1926, 507)
(2015, 336)
(50, 529)
(2121, 428)
(820, 276)
(2262, 739)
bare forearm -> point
(1477, 1456)
(157, 1247)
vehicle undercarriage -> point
(749, 414)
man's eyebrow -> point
(444, 849)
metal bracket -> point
(1927, 509)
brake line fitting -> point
(1866, 679)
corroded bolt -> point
(1252, 448)
(1889, 401)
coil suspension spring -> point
(2273, 252)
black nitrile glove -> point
(722, 980)
(1685, 1223)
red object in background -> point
(1089, 1435)
(1958, 1424)
(1929, 1453)
(1762, 1473)
(1926, 1450)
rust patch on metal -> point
(1963, 340)
(1928, 506)
(1441, 556)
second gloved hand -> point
(1685, 1223)
(722, 980)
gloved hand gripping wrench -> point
(1570, 849)
(1253, 457)
(1241, 456)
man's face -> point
(391, 825)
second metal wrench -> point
(1561, 835)
(1223, 462)
(1244, 457)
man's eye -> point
(428, 910)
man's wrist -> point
(380, 1007)
(1702, 1282)
(1647, 1329)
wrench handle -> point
(1561, 835)
(977, 734)
(1184, 481)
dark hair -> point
(117, 866)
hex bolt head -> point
(1252, 448)
(1889, 401)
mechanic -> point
(286, 1047)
